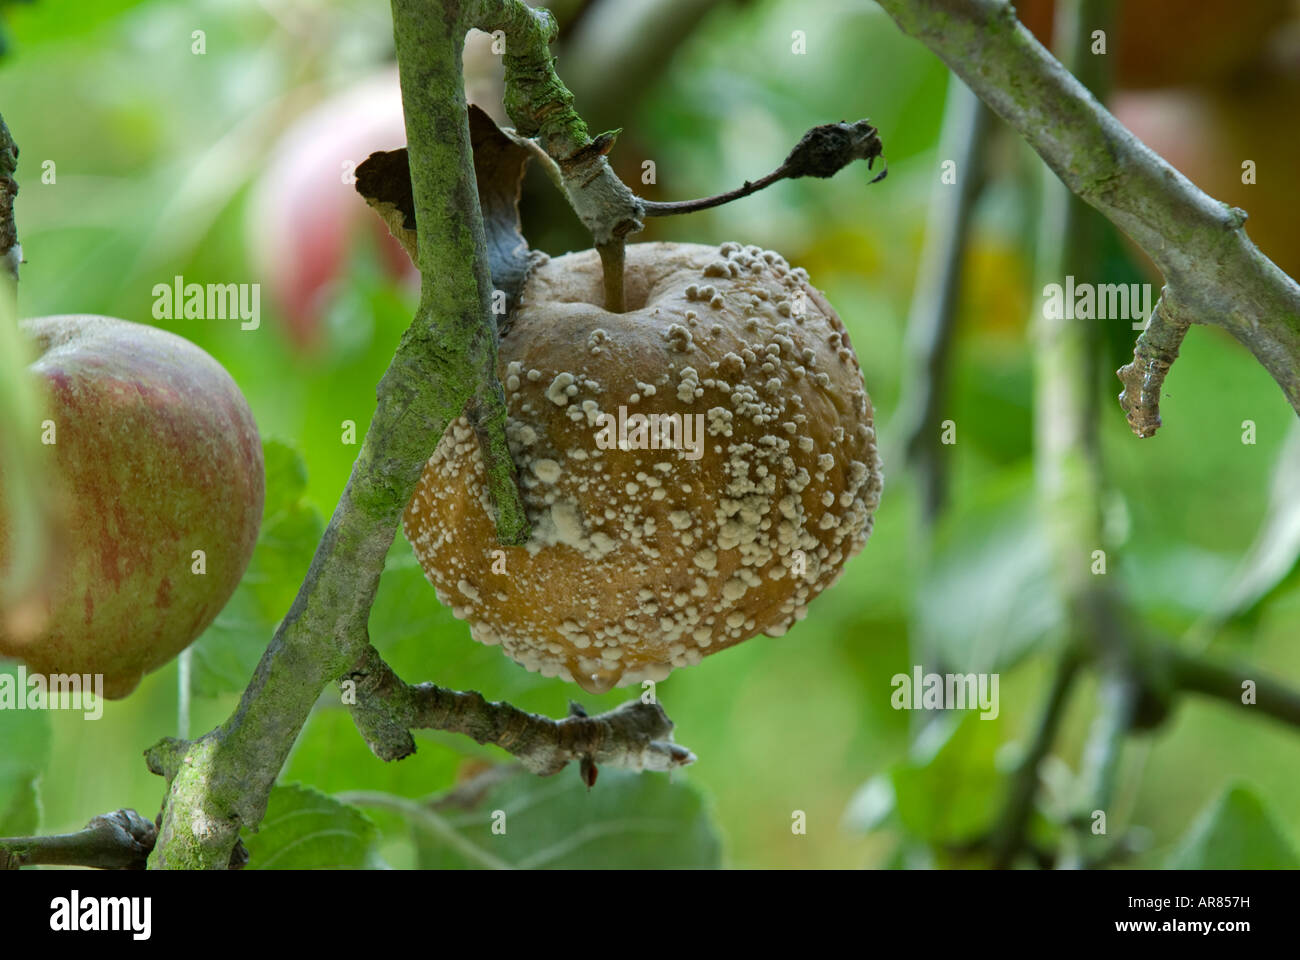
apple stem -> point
(611, 260)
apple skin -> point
(156, 455)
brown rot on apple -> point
(696, 469)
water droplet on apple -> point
(600, 680)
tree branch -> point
(1117, 700)
(120, 840)
(1070, 474)
(635, 735)
(11, 254)
(933, 313)
(1010, 836)
(1192, 673)
(446, 359)
(1209, 263)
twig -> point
(1116, 707)
(1153, 354)
(821, 152)
(938, 284)
(635, 735)
(1013, 826)
(1195, 673)
(120, 840)
(1199, 244)
(221, 782)
(1069, 471)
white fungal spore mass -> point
(641, 558)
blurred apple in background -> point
(1209, 86)
(304, 213)
(305, 218)
(1163, 43)
(1221, 138)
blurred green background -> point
(170, 162)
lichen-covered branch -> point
(1209, 263)
(635, 735)
(221, 782)
(541, 107)
(120, 840)
(11, 254)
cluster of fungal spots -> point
(643, 557)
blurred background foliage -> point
(229, 166)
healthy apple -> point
(155, 466)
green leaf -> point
(1274, 557)
(989, 596)
(627, 821)
(406, 608)
(871, 805)
(228, 651)
(25, 735)
(331, 756)
(306, 830)
(951, 789)
(421, 640)
(54, 21)
(1237, 832)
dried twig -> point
(636, 735)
